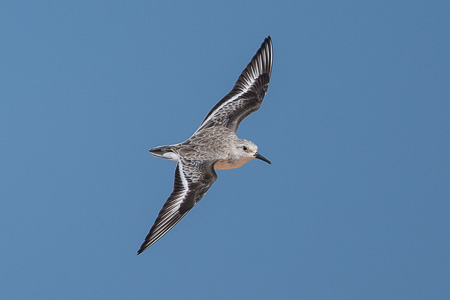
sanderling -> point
(214, 146)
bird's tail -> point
(164, 152)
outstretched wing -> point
(192, 180)
(247, 94)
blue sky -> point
(356, 204)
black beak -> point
(259, 156)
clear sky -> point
(356, 204)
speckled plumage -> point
(214, 146)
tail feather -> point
(165, 152)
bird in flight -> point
(214, 146)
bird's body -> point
(215, 143)
(214, 146)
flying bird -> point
(214, 146)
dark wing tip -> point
(266, 51)
(163, 224)
(259, 69)
(186, 194)
(260, 64)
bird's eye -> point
(244, 148)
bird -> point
(214, 145)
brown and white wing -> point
(192, 180)
(247, 94)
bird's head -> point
(249, 149)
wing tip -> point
(268, 47)
(262, 61)
(260, 66)
(143, 247)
